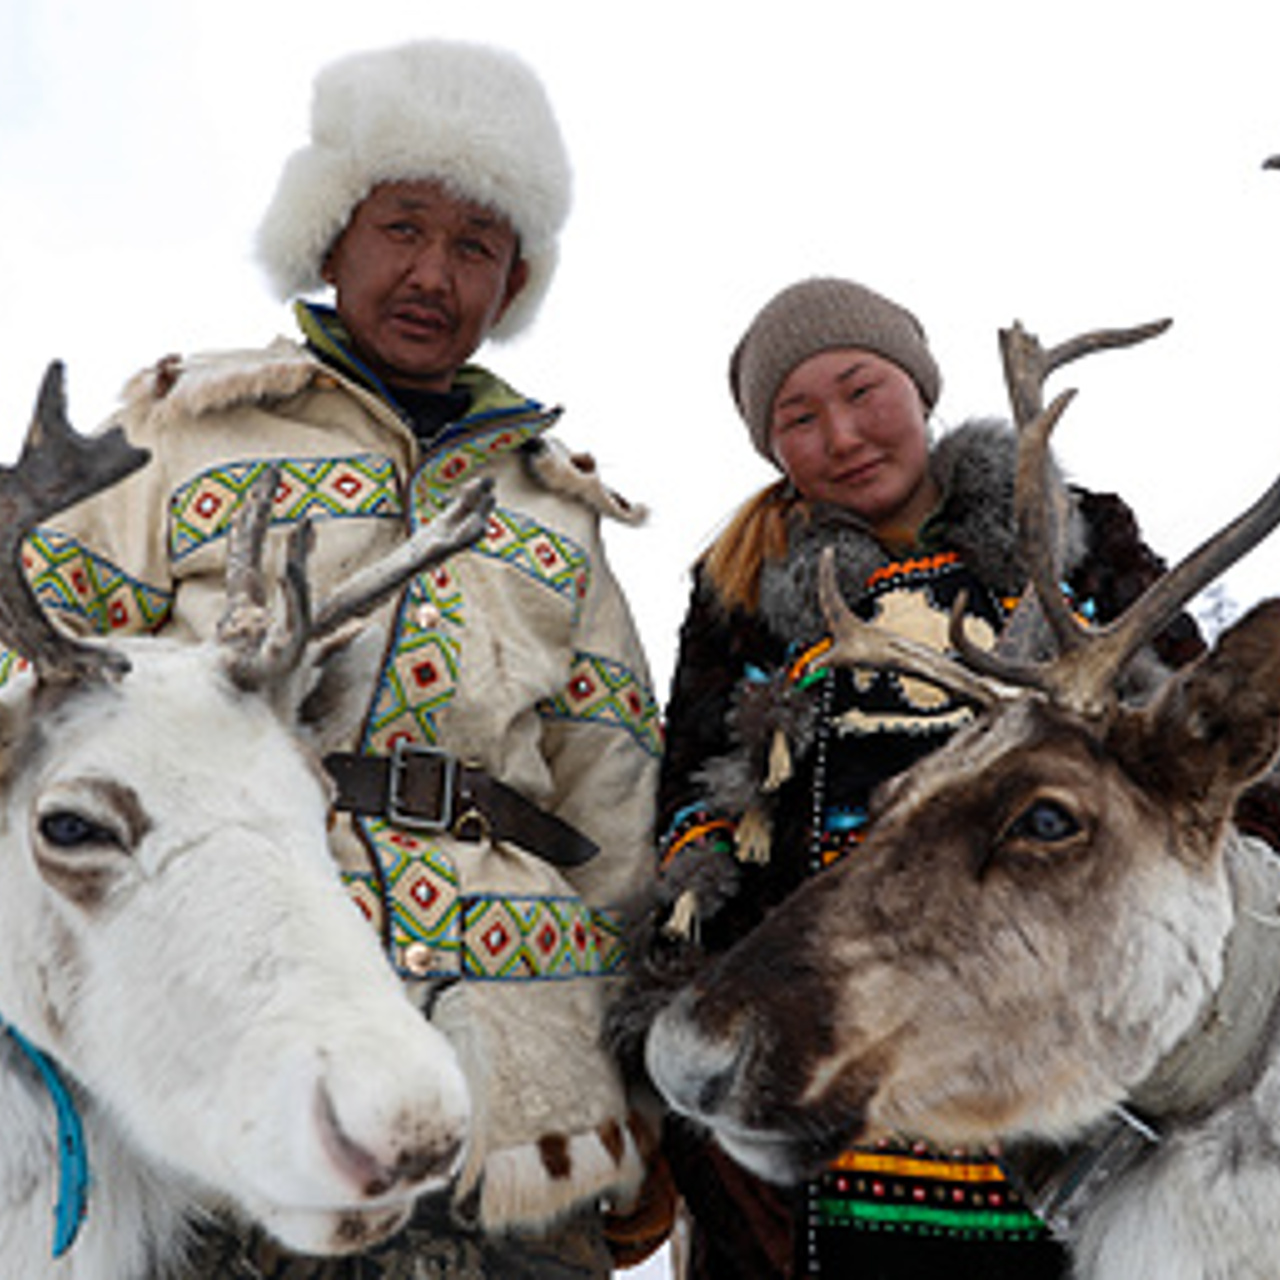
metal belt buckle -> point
(400, 797)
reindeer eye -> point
(1045, 822)
(66, 829)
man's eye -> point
(477, 249)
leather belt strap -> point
(427, 789)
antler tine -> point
(1027, 364)
(1083, 672)
(56, 469)
(994, 664)
(858, 643)
(263, 648)
(458, 526)
(1085, 678)
(246, 621)
(1040, 514)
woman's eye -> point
(793, 424)
(67, 830)
(1045, 822)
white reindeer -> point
(195, 1011)
(1052, 933)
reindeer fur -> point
(233, 1036)
(1038, 918)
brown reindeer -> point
(1053, 932)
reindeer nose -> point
(434, 1162)
(697, 1073)
(431, 1157)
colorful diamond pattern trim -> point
(438, 477)
(421, 888)
(422, 673)
(66, 576)
(484, 937)
(547, 557)
(611, 694)
(361, 485)
(512, 938)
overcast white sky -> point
(1071, 165)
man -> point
(429, 199)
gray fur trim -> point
(974, 465)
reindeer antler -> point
(57, 468)
(1082, 675)
(1089, 661)
(263, 646)
(858, 643)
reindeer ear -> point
(1216, 725)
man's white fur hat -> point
(475, 118)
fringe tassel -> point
(754, 837)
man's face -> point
(420, 278)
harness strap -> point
(428, 789)
(73, 1163)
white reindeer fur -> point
(200, 999)
(1197, 1209)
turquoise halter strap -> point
(73, 1163)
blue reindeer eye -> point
(69, 830)
(1046, 822)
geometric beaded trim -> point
(609, 694)
(353, 485)
(71, 579)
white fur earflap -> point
(473, 117)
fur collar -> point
(974, 465)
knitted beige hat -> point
(472, 117)
(820, 315)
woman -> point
(771, 755)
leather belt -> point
(427, 789)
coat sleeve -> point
(602, 741)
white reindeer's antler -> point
(461, 524)
(57, 468)
(263, 646)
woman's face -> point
(848, 428)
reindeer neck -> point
(1220, 1057)
(1222, 1054)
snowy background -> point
(1072, 166)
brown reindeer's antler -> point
(1083, 674)
(57, 468)
(263, 647)
(857, 643)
